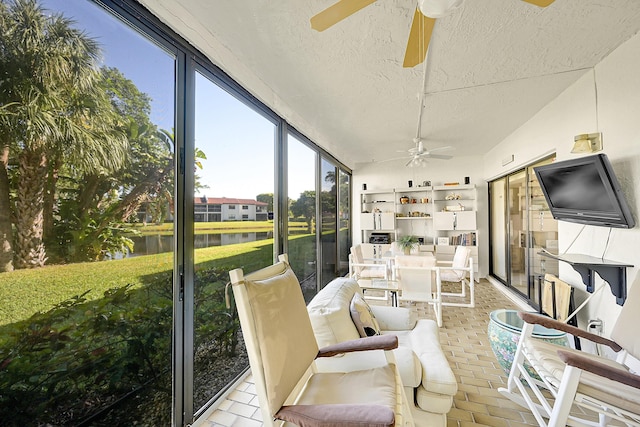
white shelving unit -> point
(454, 220)
(414, 213)
(443, 216)
(377, 212)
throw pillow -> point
(363, 317)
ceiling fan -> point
(418, 155)
(424, 19)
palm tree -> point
(6, 230)
(55, 110)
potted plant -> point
(407, 243)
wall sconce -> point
(587, 143)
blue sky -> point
(238, 142)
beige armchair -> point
(282, 349)
(576, 378)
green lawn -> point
(24, 292)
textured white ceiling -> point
(492, 64)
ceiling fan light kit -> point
(438, 8)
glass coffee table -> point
(386, 285)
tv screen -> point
(586, 191)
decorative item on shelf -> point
(424, 200)
(410, 184)
(404, 200)
(364, 186)
(407, 243)
(466, 180)
(414, 201)
(451, 183)
(453, 196)
(443, 241)
(426, 183)
(458, 208)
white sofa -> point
(425, 372)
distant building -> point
(217, 209)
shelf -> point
(377, 191)
(614, 273)
(454, 187)
(454, 200)
(413, 189)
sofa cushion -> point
(437, 376)
(330, 314)
(362, 316)
(433, 402)
(406, 360)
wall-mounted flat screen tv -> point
(586, 191)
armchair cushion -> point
(362, 316)
(330, 313)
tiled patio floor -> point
(464, 340)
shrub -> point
(82, 359)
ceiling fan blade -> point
(541, 3)
(448, 147)
(439, 156)
(393, 159)
(409, 162)
(419, 37)
(337, 12)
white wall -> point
(553, 129)
(389, 175)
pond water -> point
(156, 244)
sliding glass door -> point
(302, 164)
(520, 227)
(498, 215)
(517, 229)
(233, 190)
